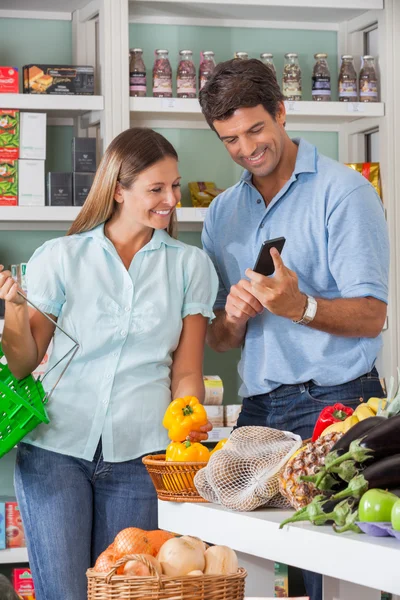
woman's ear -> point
(118, 194)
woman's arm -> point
(187, 366)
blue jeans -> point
(296, 408)
(72, 509)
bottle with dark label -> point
(268, 59)
(347, 82)
(186, 75)
(137, 73)
(207, 66)
(321, 79)
(368, 80)
(291, 79)
(162, 75)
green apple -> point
(376, 506)
(396, 516)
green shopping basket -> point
(23, 402)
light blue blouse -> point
(128, 324)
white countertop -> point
(357, 558)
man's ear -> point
(281, 114)
(118, 194)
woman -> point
(138, 302)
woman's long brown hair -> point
(130, 153)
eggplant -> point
(383, 440)
(358, 430)
(382, 474)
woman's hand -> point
(202, 434)
(9, 287)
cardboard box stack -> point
(22, 156)
(84, 167)
(23, 583)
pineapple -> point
(305, 461)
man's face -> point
(254, 139)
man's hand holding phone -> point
(241, 304)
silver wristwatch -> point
(309, 313)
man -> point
(310, 334)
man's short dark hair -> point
(239, 84)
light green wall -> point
(224, 41)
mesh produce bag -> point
(244, 474)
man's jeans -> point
(296, 408)
(72, 509)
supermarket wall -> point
(202, 156)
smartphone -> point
(264, 263)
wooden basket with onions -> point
(185, 569)
(173, 481)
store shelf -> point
(59, 218)
(13, 555)
(170, 110)
(57, 106)
(219, 433)
(302, 11)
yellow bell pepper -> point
(220, 445)
(186, 452)
(183, 416)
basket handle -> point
(122, 561)
(73, 350)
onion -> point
(139, 569)
(196, 573)
(220, 560)
(196, 540)
(180, 556)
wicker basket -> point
(174, 481)
(102, 586)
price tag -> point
(292, 106)
(355, 107)
(201, 213)
(179, 214)
(168, 103)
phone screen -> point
(264, 263)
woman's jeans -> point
(72, 509)
(296, 408)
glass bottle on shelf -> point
(186, 75)
(321, 79)
(207, 66)
(368, 80)
(162, 75)
(347, 83)
(137, 73)
(242, 55)
(291, 79)
(268, 59)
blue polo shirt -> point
(336, 242)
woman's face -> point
(153, 195)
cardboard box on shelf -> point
(23, 583)
(84, 155)
(8, 182)
(9, 135)
(9, 82)
(31, 188)
(215, 415)
(82, 182)
(58, 79)
(59, 189)
(32, 139)
(214, 389)
(231, 414)
(15, 537)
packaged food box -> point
(9, 82)
(2, 525)
(9, 134)
(15, 537)
(214, 389)
(203, 193)
(58, 79)
(82, 182)
(23, 583)
(32, 139)
(59, 189)
(215, 415)
(231, 414)
(8, 182)
(31, 187)
(370, 171)
(84, 155)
